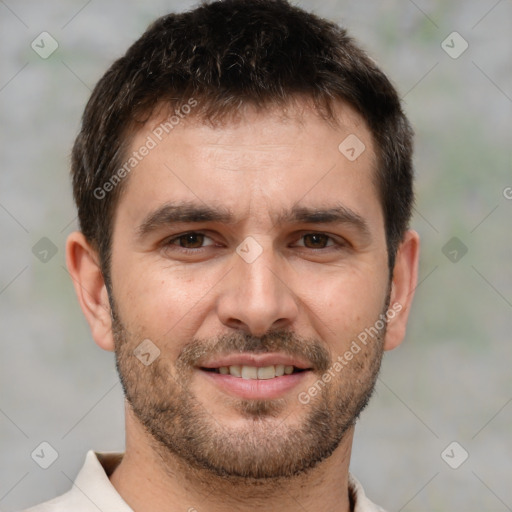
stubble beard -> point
(266, 447)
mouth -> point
(256, 376)
(256, 372)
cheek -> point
(162, 302)
(345, 304)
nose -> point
(255, 296)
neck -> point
(146, 480)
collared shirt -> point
(92, 490)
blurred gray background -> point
(450, 380)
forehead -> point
(259, 163)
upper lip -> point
(257, 360)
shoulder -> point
(65, 502)
(358, 497)
(91, 491)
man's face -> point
(239, 250)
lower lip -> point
(256, 389)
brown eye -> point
(192, 245)
(316, 240)
(190, 240)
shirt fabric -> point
(92, 490)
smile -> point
(255, 372)
(256, 376)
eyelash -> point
(336, 245)
(186, 250)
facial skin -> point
(316, 285)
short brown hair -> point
(229, 54)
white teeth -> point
(235, 370)
(249, 372)
(256, 372)
(266, 372)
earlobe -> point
(83, 264)
(405, 278)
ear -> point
(83, 264)
(405, 279)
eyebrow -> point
(185, 212)
(191, 212)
